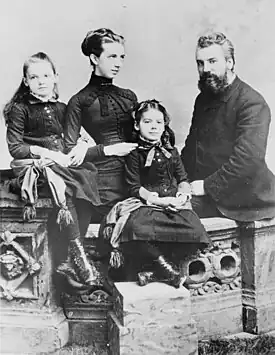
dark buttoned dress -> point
(104, 111)
(163, 177)
(33, 122)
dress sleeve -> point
(132, 173)
(15, 133)
(134, 99)
(73, 123)
(249, 150)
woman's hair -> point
(92, 43)
(219, 38)
(23, 90)
(168, 136)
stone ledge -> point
(218, 224)
(9, 200)
(264, 223)
(157, 339)
(156, 320)
(218, 314)
(157, 290)
(153, 304)
(32, 334)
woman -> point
(104, 111)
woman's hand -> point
(119, 149)
(78, 153)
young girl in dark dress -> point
(35, 123)
(160, 208)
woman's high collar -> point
(100, 80)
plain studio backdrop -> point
(160, 45)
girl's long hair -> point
(23, 91)
(168, 136)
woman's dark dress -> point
(104, 111)
(34, 122)
(163, 177)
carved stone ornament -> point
(11, 265)
(215, 270)
(95, 297)
(16, 265)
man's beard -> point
(212, 83)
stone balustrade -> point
(228, 291)
(218, 268)
(216, 292)
(31, 320)
(230, 288)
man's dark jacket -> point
(226, 148)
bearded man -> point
(224, 153)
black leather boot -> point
(84, 269)
(170, 274)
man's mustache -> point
(208, 76)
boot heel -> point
(146, 277)
(177, 281)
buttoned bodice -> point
(163, 176)
(104, 111)
(33, 122)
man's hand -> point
(197, 188)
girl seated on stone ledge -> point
(35, 120)
(159, 209)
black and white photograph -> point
(137, 177)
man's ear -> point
(230, 63)
(94, 59)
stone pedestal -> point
(156, 320)
(87, 318)
(32, 332)
(31, 320)
(218, 314)
(214, 281)
(258, 276)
